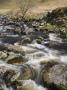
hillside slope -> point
(7, 5)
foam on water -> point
(63, 58)
(35, 54)
(54, 37)
(33, 85)
(42, 53)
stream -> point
(35, 55)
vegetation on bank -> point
(55, 20)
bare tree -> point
(25, 5)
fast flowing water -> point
(36, 54)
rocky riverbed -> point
(33, 55)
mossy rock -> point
(49, 63)
(41, 38)
(57, 17)
(55, 77)
(16, 60)
(10, 76)
(38, 41)
(26, 41)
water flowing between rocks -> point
(21, 63)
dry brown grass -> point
(40, 8)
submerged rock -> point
(27, 72)
(11, 39)
(8, 75)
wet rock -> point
(11, 55)
(17, 30)
(49, 64)
(16, 85)
(13, 48)
(8, 73)
(55, 77)
(18, 49)
(3, 55)
(56, 45)
(15, 59)
(26, 41)
(39, 40)
(11, 39)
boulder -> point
(26, 41)
(8, 73)
(3, 55)
(55, 76)
(15, 58)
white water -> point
(31, 85)
(35, 54)
(54, 37)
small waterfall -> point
(54, 37)
(41, 53)
(63, 58)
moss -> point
(16, 61)
(26, 41)
(38, 41)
